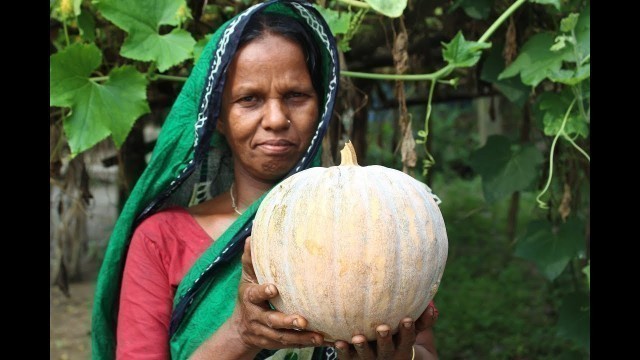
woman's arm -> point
(253, 326)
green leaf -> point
(574, 321)
(200, 45)
(97, 110)
(505, 167)
(536, 60)
(512, 88)
(549, 248)
(392, 9)
(583, 33)
(555, 3)
(142, 20)
(167, 50)
(571, 77)
(87, 26)
(338, 21)
(477, 9)
(463, 53)
(553, 107)
(569, 23)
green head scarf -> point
(191, 163)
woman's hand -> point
(397, 347)
(258, 325)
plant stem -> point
(553, 147)
(99, 78)
(419, 77)
(500, 20)
(356, 3)
(155, 77)
(66, 32)
(577, 147)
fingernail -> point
(383, 333)
(269, 290)
(431, 311)
(358, 344)
(314, 341)
(408, 324)
(295, 323)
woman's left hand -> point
(397, 347)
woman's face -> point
(269, 107)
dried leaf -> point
(408, 150)
(510, 47)
(565, 205)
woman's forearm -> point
(224, 344)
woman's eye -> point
(295, 95)
(246, 99)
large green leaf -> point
(574, 322)
(142, 20)
(549, 248)
(505, 167)
(512, 88)
(536, 60)
(463, 53)
(477, 9)
(97, 110)
(167, 50)
(392, 9)
(553, 106)
(338, 21)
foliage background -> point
(494, 115)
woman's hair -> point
(265, 23)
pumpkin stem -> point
(348, 155)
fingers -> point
(363, 349)
(428, 318)
(344, 351)
(384, 342)
(406, 337)
(248, 273)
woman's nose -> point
(276, 116)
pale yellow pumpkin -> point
(350, 247)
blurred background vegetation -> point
(495, 120)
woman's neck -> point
(246, 190)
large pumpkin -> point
(350, 247)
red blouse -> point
(163, 248)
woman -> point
(252, 112)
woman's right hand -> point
(258, 325)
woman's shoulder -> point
(165, 221)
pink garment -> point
(163, 248)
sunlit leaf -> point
(505, 167)
(97, 109)
(463, 53)
(536, 60)
(338, 21)
(569, 23)
(392, 9)
(552, 249)
(583, 33)
(142, 20)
